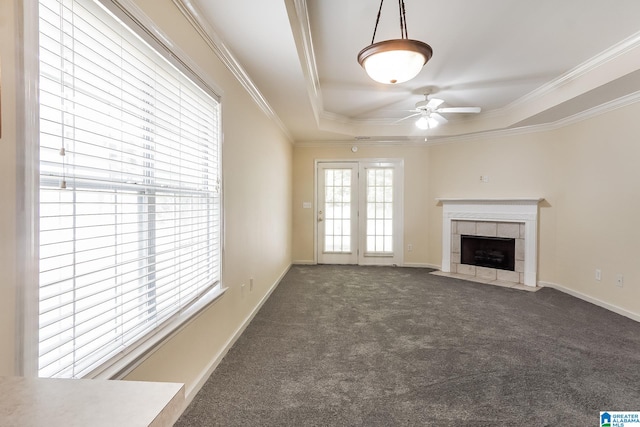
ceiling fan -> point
(430, 112)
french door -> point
(359, 212)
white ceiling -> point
(525, 63)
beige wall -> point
(516, 166)
(589, 176)
(416, 199)
(8, 205)
(587, 172)
(599, 206)
(257, 209)
(451, 170)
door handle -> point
(320, 219)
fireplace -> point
(510, 218)
(490, 252)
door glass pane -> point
(337, 210)
(379, 210)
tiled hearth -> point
(515, 218)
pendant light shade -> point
(394, 61)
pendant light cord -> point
(403, 21)
(377, 20)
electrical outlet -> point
(598, 274)
(409, 247)
(619, 280)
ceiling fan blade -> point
(396, 111)
(405, 118)
(459, 110)
(434, 103)
(437, 117)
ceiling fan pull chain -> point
(377, 20)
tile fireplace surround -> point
(513, 217)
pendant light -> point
(394, 61)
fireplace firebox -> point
(491, 252)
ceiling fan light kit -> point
(425, 122)
(394, 61)
(430, 111)
(422, 123)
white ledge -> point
(492, 201)
(98, 403)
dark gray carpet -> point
(378, 346)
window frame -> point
(27, 330)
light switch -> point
(306, 205)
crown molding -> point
(335, 117)
(578, 117)
(616, 51)
(362, 143)
(494, 133)
(301, 28)
(213, 40)
(567, 121)
(607, 107)
(497, 133)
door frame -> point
(344, 258)
(398, 227)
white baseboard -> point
(619, 310)
(420, 265)
(406, 264)
(213, 364)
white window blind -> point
(129, 189)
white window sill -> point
(120, 365)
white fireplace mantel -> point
(519, 210)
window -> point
(130, 197)
(379, 210)
(337, 208)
